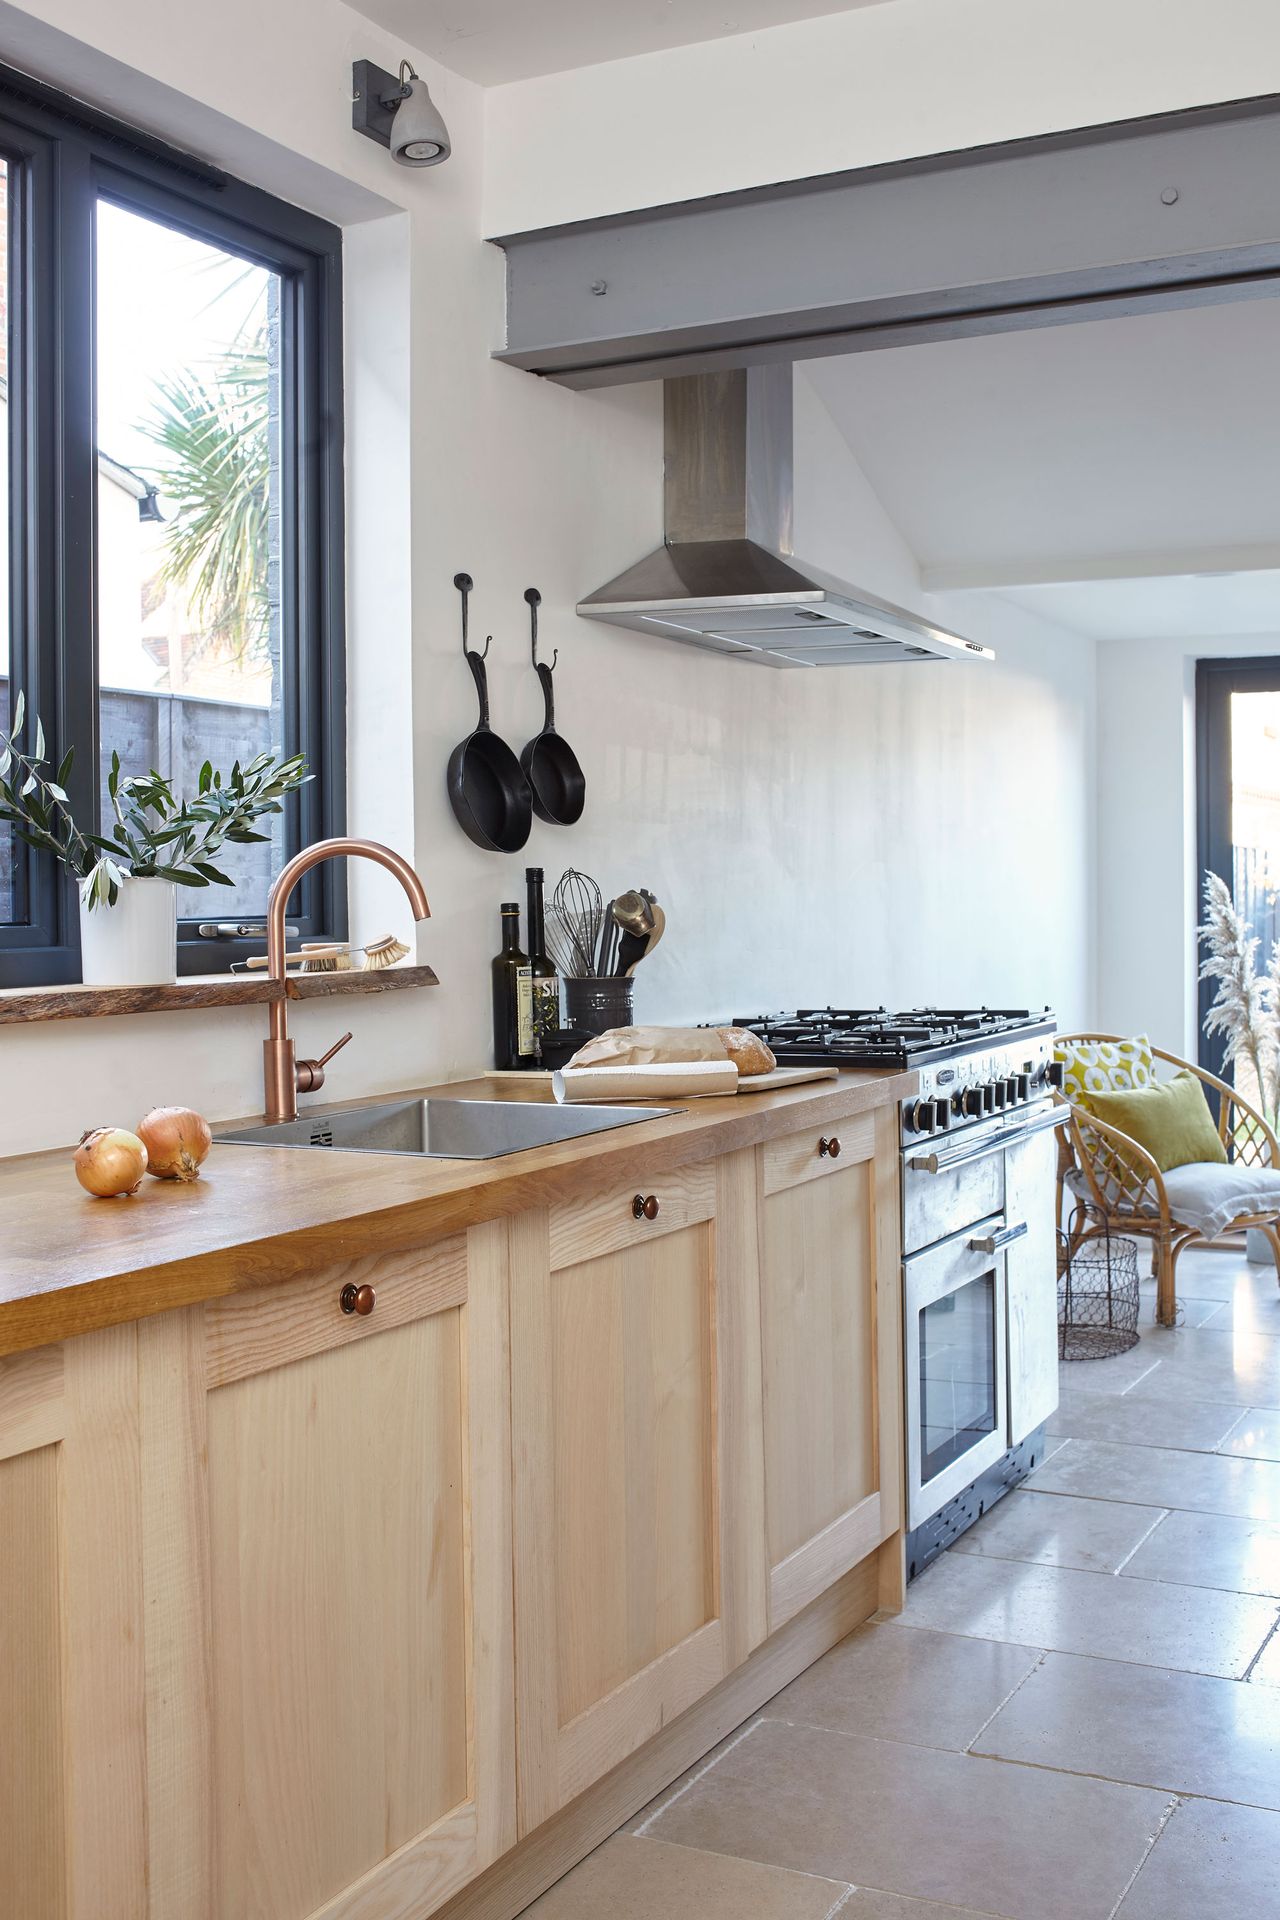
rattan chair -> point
(1116, 1187)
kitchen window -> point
(1238, 782)
(171, 543)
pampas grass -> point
(1246, 1008)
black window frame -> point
(1216, 681)
(64, 157)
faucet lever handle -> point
(309, 1074)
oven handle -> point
(993, 1242)
(950, 1163)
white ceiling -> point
(1110, 452)
(496, 40)
(1176, 607)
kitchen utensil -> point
(327, 956)
(577, 907)
(387, 952)
(550, 763)
(659, 928)
(488, 790)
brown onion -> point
(110, 1161)
(177, 1140)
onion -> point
(110, 1161)
(177, 1140)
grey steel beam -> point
(1179, 210)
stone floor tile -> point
(1211, 1862)
(1255, 1435)
(1153, 1727)
(904, 1683)
(1192, 1628)
(1211, 1550)
(630, 1879)
(1057, 1530)
(1266, 1670)
(947, 1827)
(1163, 1477)
(1196, 1425)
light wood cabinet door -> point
(72, 1826)
(632, 1430)
(326, 1510)
(830, 1338)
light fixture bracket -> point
(375, 95)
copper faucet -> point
(283, 1078)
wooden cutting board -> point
(757, 1083)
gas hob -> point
(876, 1037)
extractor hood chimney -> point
(725, 578)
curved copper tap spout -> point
(281, 1073)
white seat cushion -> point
(1206, 1195)
(1209, 1197)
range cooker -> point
(979, 1247)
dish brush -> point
(385, 952)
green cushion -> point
(1171, 1120)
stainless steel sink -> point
(444, 1129)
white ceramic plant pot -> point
(134, 943)
(1257, 1249)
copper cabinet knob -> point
(829, 1149)
(645, 1206)
(355, 1299)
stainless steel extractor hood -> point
(725, 578)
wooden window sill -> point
(201, 990)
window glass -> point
(1255, 832)
(188, 507)
(10, 906)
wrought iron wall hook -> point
(534, 599)
(465, 585)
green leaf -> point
(64, 771)
(113, 778)
(39, 739)
(212, 873)
(19, 711)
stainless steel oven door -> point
(956, 1362)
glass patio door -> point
(1238, 779)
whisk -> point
(577, 910)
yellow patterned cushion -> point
(1106, 1066)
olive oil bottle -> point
(544, 982)
(510, 993)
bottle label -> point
(525, 1030)
(546, 1008)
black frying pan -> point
(559, 789)
(487, 786)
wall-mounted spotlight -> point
(399, 114)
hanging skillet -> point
(559, 789)
(487, 786)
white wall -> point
(855, 89)
(857, 835)
(1148, 873)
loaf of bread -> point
(747, 1051)
(660, 1046)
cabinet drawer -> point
(245, 1333)
(801, 1156)
(603, 1222)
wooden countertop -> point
(69, 1263)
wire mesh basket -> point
(1098, 1301)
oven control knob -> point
(1055, 1074)
(1024, 1086)
(973, 1101)
(1012, 1093)
(942, 1114)
(988, 1098)
(1000, 1093)
(922, 1117)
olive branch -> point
(153, 833)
